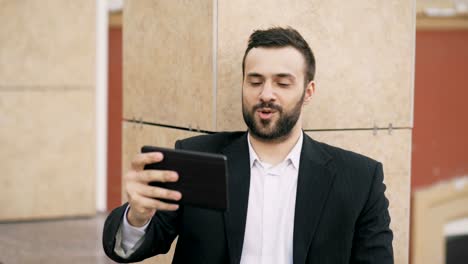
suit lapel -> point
(316, 174)
(238, 193)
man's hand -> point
(142, 197)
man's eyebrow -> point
(279, 75)
(286, 75)
(254, 74)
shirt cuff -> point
(129, 238)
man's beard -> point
(264, 129)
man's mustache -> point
(268, 105)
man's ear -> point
(309, 92)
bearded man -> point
(291, 199)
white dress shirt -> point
(128, 237)
(270, 214)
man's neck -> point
(274, 152)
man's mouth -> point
(265, 113)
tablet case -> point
(202, 176)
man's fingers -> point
(160, 193)
(140, 160)
(167, 206)
(143, 198)
(149, 204)
(147, 176)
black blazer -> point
(341, 213)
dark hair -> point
(278, 37)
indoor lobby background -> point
(84, 84)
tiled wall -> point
(170, 85)
(355, 60)
(182, 68)
(47, 110)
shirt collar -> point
(294, 155)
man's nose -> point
(267, 93)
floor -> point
(54, 241)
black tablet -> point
(202, 176)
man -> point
(292, 199)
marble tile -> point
(364, 70)
(47, 155)
(47, 43)
(394, 151)
(398, 194)
(168, 71)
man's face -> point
(273, 91)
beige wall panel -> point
(168, 73)
(364, 52)
(47, 155)
(47, 43)
(398, 194)
(134, 137)
(394, 151)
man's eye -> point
(255, 83)
(283, 84)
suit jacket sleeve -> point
(161, 232)
(373, 238)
